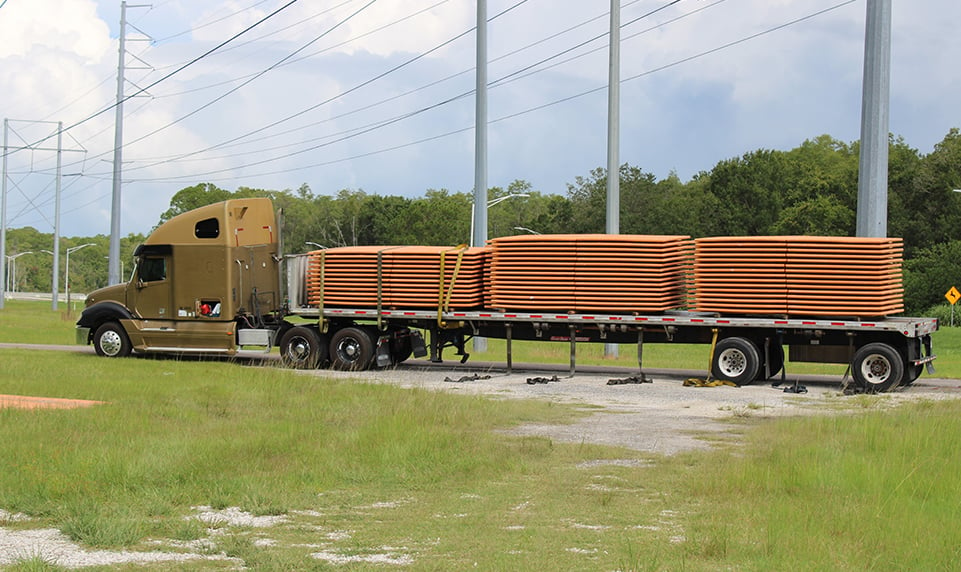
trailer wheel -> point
(776, 358)
(302, 348)
(737, 360)
(110, 340)
(911, 374)
(352, 349)
(877, 367)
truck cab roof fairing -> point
(236, 222)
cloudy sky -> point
(377, 94)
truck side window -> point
(207, 228)
(153, 269)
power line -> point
(335, 97)
(357, 131)
(211, 22)
(178, 70)
(354, 132)
(512, 115)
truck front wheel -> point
(352, 349)
(737, 360)
(110, 340)
(877, 367)
(302, 348)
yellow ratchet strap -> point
(443, 299)
(695, 382)
(324, 325)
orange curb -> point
(28, 402)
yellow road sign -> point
(953, 295)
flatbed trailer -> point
(210, 281)
(882, 354)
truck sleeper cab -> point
(206, 281)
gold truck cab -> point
(206, 281)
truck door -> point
(151, 295)
(153, 288)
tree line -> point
(811, 189)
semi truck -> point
(214, 281)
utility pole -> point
(614, 135)
(480, 131)
(113, 262)
(8, 150)
(479, 237)
(55, 295)
(3, 220)
(872, 212)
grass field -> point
(429, 481)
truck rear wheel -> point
(877, 367)
(303, 348)
(352, 349)
(110, 340)
(737, 360)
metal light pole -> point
(66, 279)
(491, 203)
(12, 271)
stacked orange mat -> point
(588, 272)
(798, 275)
(409, 277)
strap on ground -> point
(695, 382)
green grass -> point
(360, 470)
(875, 491)
(32, 322)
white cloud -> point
(772, 91)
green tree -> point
(440, 218)
(929, 274)
(750, 192)
(927, 212)
(189, 198)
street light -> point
(320, 246)
(66, 278)
(12, 272)
(527, 230)
(491, 203)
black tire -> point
(776, 358)
(911, 374)
(877, 367)
(110, 340)
(352, 349)
(303, 348)
(736, 360)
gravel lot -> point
(662, 417)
